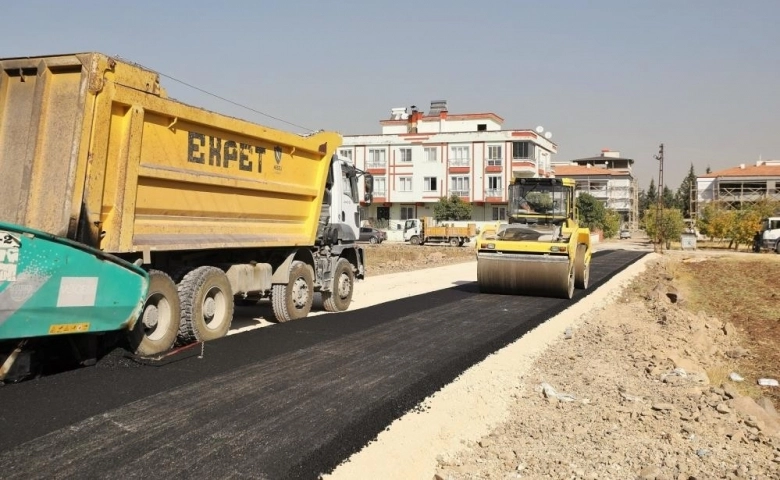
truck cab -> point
(340, 215)
(413, 227)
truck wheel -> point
(293, 300)
(461, 243)
(340, 297)
(581, 269)
(415, 240)
(206, 305)
(156, 329)
(454, 242)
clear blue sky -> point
(700, 76)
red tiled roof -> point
(748, 171)
(579, 170)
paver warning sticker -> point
(9, 256)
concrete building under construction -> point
(737, 186)
(609, 178)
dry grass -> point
(745, 292)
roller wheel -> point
(454, 242)
(340, 297)
(155, 332)
(206, 305)
(570, 285)
(415, 240)
(293, 300)
(581, 269)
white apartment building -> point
(609, 178)
(739, 185)
(419, 158)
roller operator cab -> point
(539, 249)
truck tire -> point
(415, 240)
(340, 297)
(777, 247)
(581, 269)
(461, 243)
(156, 329)
(293, 300)
(206, 305)
(454, 242)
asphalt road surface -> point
(291, 401)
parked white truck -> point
(769, 236)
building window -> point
(459, 156)
(520, 150)
(404, 184)
(346, 153)
(376, 158)
(431, 154)
(407, 213)
(431, 185)
(482, 127)
(379, 186)
(499, 213)
(459, 186)
(405, 155)
(495, 155)
(494, 186)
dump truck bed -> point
(92, 149)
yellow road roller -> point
(539, 250)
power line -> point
(219, 97)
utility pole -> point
(660, 200)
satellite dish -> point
(539, 129)
(548, 135)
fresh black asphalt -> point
(291, 401)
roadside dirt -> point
(642, 390)
(631, 383)
(399, 257)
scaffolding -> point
(621, 198)
(736, 193)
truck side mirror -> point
(368, 180)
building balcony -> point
(376, 164)
(494, 192)
(494, 166)
(524, 168)
(464, 194)
(459, 162)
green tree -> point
(611, 225)
(669, 228)
(652, 193)
(709, 170)
(452, 208)
(668, 198)
(684, 193)
(590, 211)
(643, 203)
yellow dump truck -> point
(419, 231)
(213, 208)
